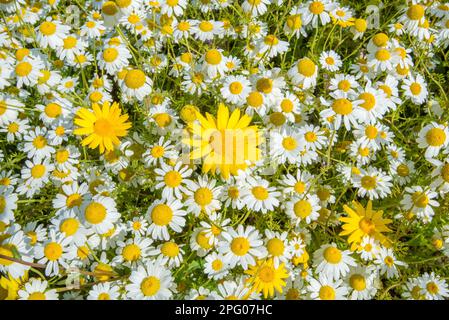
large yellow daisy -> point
(265, 277)
(362, 222)
(226, 143)
(103, 126)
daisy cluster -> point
(224, 149)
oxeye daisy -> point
(294, 24)
(327, 289)
(303, 208)
(150, 282)
(37, 289)
(51, 33)
(332, 262)
(235, 89)
(37, 145)
(92, 29)
(312, 137)
(132, 252)
(99, 213)
(9, 109)
(315, 12)
(343, 110)
(168, 253)
(415, 88)
(71, 45)
(172, 179)
(304, 73)
(215, 266)
(202, 196)
(420, 201)
(136, 84)
(113, 58)
(433, 137)
(373, 102)
(255, 7)
(285, 146)
(54, 252)
(296, 184)
(434, 287)
(8, 203)
(402, 171)
(12, 247)
(163, 215)
(270, 46)
(359, 28)
(387, 263)
(36, 172)
(103, 126)
(330, 61)
(360, 283)
(259, 196)
(278, 248)
(373, 183)
(241, 246)
(361, 152)
(344, 84)
(342, 16)
(368, 248)
(206, 30)
(232, 290)
(289, 105)
(104, 291)
(159, 152)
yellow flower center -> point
(415, 12)
(267, 274)
(53, 251)
(287, 105)
(217, 265)
(371, 132)
(157, 152)
(369, 101)
(357, 282)
(235, 87)
(206, 26)
(4, 250)
(150, 286)
(367, 225)
(402, 170)
(74, 200)
(383, 55)
(183, 26)
(170, 249)
(69, 42)
(360, 25)
(38, 171)
(275, 247)
(53, 110)
(294, 22)
(415, 88)
(162, 214)
(264, 85)
(271, 40)
(344, 85)
(23, 69)
(110, 54)
(386, 89)
(332, 255)
(95, 213)
(330, 61)
(389, 261)
(316, 7)
(69, 226)
(37, 296)
(109, 8)
(277, 118)
(203, 240)
(240, 246)
(62, 156)
(368, 182)
(435, 137)
(123, 3)
(310, 136)
(342, 106)
(103, 127)
(135, 79)
(254, 99)
(327, 293)
(213, 57)
(47, 28)
(420, 199)
(289, 143)
(203, 196)
(104, 296)
(172, 179)
(302, 209)
(260, 193)
(432, 287)
(131, 252)
(380, 39)
(306, 67)
(162, 119)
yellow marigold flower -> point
(227, 143)
(266, 278)
(362, 222)
(103, 126)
